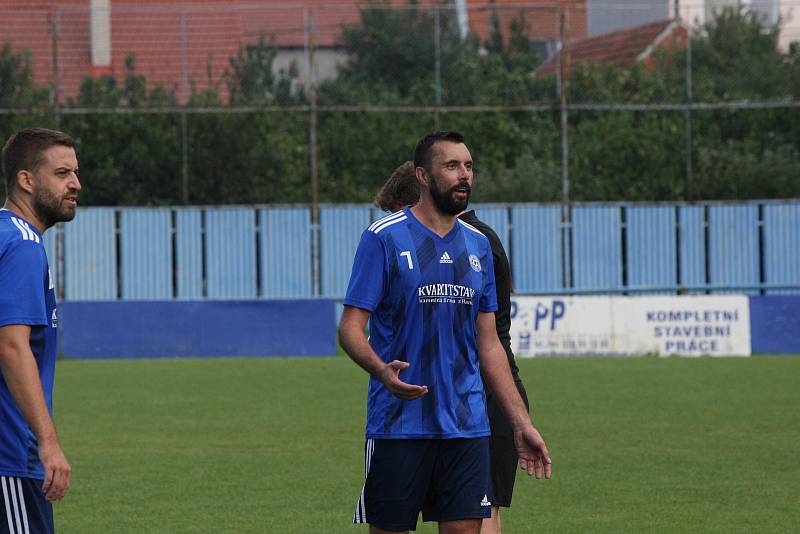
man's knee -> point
(462, 526)
(491, 525)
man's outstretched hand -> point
(389, 375)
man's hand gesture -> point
(389, 375)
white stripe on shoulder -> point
(471, 227)
(21, 228)
(389, 223)
(22, 507)
(33, 235)
(384, 219)
(7, 503)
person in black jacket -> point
(402, 189)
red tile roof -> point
(622, 47)
(186, 42)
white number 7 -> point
(407, 254)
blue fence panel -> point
(90, 253)
(340, 232)
(376, 213)
(650, 239)
(285, 235)
(497, 219)
(782, 246)
(189, 253)
(692, 246)
(597, 247)
(230, 244)
(733, 246)
(535, 252)
(146, 253)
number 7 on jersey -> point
(407, 254)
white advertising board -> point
(685, 325)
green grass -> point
(276, 445)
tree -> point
(126, 158)
(19, 92)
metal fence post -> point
(312, 141)
(437, 44)
(563, 73)
(688, 114)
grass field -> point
(275, 445)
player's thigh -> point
(398, 480)
(461, 487)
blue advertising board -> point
(775, 324)
(166, 329)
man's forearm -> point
(356, 346)
(497, 372)
(21, 375)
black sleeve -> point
(502, 275)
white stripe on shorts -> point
(22, 506)
(13, 492)
(14, 500)
(8, 504)
(360, 515)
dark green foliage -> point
(240, 155)
(126, 158)
(18, 92)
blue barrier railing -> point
(257, 252)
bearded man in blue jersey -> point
(425, 281)
(40, 169)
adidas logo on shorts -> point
(485, 501)
(445, 258)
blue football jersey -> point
(27, 297)
(424, 293)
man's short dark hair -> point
(400, 190)
(25, 149)
(423, 152)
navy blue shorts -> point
(24, 509)
(445, 479)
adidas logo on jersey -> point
(485, 501)
(445, 258)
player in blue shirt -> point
(40, 169)
(425, 282)
(402, 189)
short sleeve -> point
(23, 269)
(488, 302)
(366, 287)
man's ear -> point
(25, 181)
(422, 176)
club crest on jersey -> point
(445, 258)
(475, 263)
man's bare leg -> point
(376, 530)
(462, 526)
(491, 525)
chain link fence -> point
(563, 102)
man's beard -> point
(445, 202)
(49, 208)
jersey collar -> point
(447, 237)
